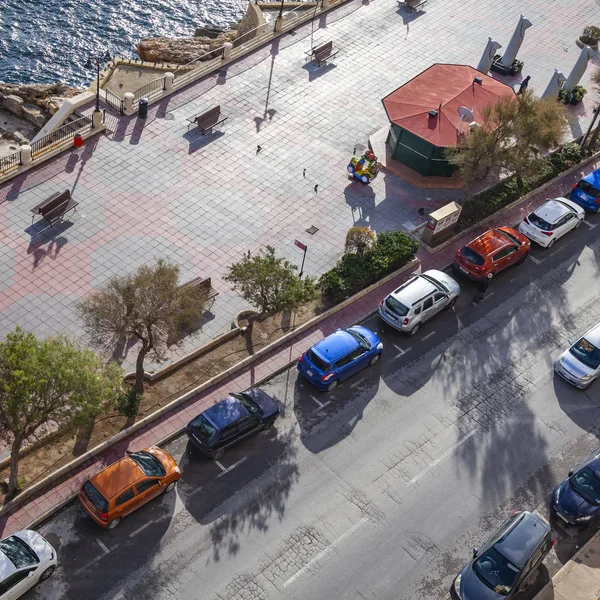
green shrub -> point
(333, 286)
(129, 403)
(568, 156)
(591, 34)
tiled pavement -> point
(151, 189)
(32, 509)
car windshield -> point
(539, 222)
(435, 282)
(396, 307)
(19, 553)
(588, 188)
(96, 498)
(495, 571)
(252, 407)
(149, 464)
(472, 256)
(316, 360)
(361, 339)
(203, 428)
(587, 353)
(511, 237)
(586, 484)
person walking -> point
(524, 84)
(482, 289)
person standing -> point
(524, 84)
(482, 289)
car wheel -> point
(269, 424)
(332, 385)
(551, 243)
(451, 303)
(114, 523)
(414, 329)
(350, 169)
(218, 453)
(374, 359)
(47, 573)
(170, 487)
(523, 258)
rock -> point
(180, 50)
(34, 115)
(209, 32)
(13, 104)
(20, 138)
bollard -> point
(77, 140)
(279, 24)
(227, 47)
(127, 103)
(169, 77)
(142, 108)
(97, 119)
(26, 159)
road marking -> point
(233, 466)
(196, 491)
(401, 351)
(318, 403)
(355, 383)
(103, 546)
(427, 336)
(221, 466)
(537, 261)
(487, 296)
(589, 224)
(443, 456)
(511, 280)
(321, 554)
(140, 529)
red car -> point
(492, 252)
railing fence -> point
(54, 138)
(12, 161)
(113, 100)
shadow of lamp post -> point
(97, 116)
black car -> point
(501, 568)
(577, 499)
(231, 420)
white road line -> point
(537, 261)
(589, 224)
(233, 466)
(426, 337)
(487, 296)
(221, 466)
(321, 407)
(443, 456)
(103, 546)
(353, 385)
(196, 491)
(402, 352)
(321, 554)
(140, 529)
(511, 280)
(319, 404)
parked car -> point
(577, 499)
(419, 299)
(580, 364)
(231, 420)
(501, 568)
(339, 356)
(26, 558)
(492, 252)
(128, 484)
(587, 192)
(551, 221)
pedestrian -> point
(524, 84)
(482, 289)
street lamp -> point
(281, 9)
(89, 65)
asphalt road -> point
(380, 489)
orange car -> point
(492, 252)
(127, 484)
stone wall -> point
(254, 18)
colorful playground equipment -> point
(364, 168)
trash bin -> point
(143, 108)
(77, 140)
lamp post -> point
(279, 19)
(89, 65)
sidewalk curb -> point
(27, 493)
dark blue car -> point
(231, 420)
(502, 567)
(577, 499)
(339, 356)
(587, 192)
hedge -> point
(354, 272)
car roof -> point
(489, 242)
(593, 336)
(116, 477)
(225, 412)
(414, 289)
(522, 539)
(553, 210)
(593, 178)
(339, 343)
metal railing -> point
(113, 100)
(56, 137)
(192, 64)
(155, 84)
(12, 161)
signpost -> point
(303, 248)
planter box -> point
(498, 67)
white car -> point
(551, 221)
(25, 559)
(580, 364)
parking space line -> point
(140, 529)
(443, 456)
(233, 466)
(103, 546)
(487, 296)
(401, 352)
(537, 261)
(321, 554)
(196, 491)
(589, 224)
(318, 402)
(426, 337)
(220, 466)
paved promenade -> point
(152, 189)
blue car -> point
(587, 192)
(231, 420)
(340, 355)
(577, 499)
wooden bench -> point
(208, 120)
(55, 207)
(204, 285)
(412, 5)
(322, 53)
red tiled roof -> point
(450, 86)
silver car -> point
(580, 364)
(419, 299)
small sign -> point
(300, 245)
